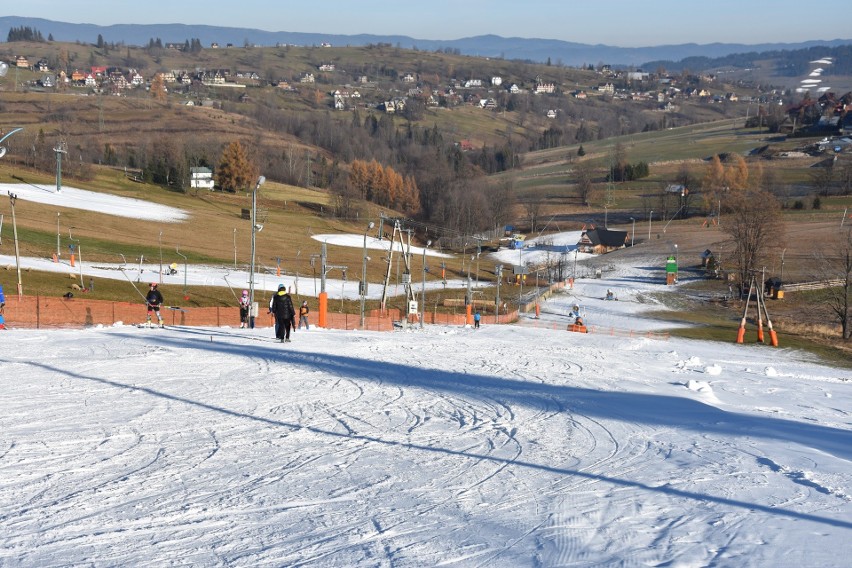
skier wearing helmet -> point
(154, 300)
(244, 309)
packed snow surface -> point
(94, 201)
(506, 446)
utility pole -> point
(423, 289)
(185, 267)
(498, 271)
(252, 310)
(650, 217)
(12, 199)
(363, 286)
(79, 254)
(160, 243)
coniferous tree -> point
(236, 172)
(158, 87)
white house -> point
(496, 81)
(548, 88)
(607, 89)
(201, 178)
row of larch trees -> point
(384, 186)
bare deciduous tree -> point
(585, 177)
(822, 178)
(754, 223)
(501, 198)
(844, 178)
(838, 267)
(532, 208)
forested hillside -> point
(438, 121)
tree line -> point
(24, 33)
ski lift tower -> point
(405, 250)
(60, 149)
(323, 295)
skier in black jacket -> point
(282, 308)
(154, 300)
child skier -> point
(303, 315)
(154, 300)
(244, 309)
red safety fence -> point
(45, 312)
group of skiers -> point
(575, 313)
(281, 307)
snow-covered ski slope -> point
(506, 446)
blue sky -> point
(626, 23)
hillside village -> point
(661, 92)
(361, 91)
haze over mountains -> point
(532, 49)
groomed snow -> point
(94, 201)
(505, 446)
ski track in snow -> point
(505, 446)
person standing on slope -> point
(303, 315)
(244, 309)
(282, 308)
(154, 300)
(2, 308)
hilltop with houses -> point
(393, 92)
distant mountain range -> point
(531, 49)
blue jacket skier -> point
(2, 308)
